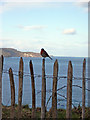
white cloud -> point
(82, 4)
(71, 31)
(4, 42)
(1, 9)
(21, 44)
(83, 0)
(85, 4)
(9, 5)
(6, 5)
(45, 0)
(0, 44)
(33, 27)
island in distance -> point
(10, 52)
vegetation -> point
(26, 112)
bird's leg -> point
(44, 58)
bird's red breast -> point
(41, 52)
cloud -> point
(21, 44)
(45, 0)
(69, 31)
(5, 42)
(7, 5)
(83, 4)
(38, 0)
(33, 27)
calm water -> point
(13, 62)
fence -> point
(1, 69)
(43, 91)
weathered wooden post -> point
(2, 59)
(0, 88)
(69, 90)
(43, 99)
(83, 89)
(33, 91)
(12, 112)
(20, 87)
(54, 91)
(1, 69)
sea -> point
(13, 62)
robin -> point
(44, 54)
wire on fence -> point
(46, 76)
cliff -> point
(10, 52)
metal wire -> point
(46, 76)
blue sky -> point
(59, 27)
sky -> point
(61, 28)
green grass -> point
(61, 113)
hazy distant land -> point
(10, 52)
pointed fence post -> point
(33, 91)
(12, 112)
(43, 99)
(54, 90)
(1, 69)
(20, 87)
(83, 89)
(69, 90)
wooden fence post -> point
(1, 69)
(83, 89)
(69, 90)
(12, 112)
(2, 58)
(43, 99)
(33, 91)
(54, 90)
(20, 87)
